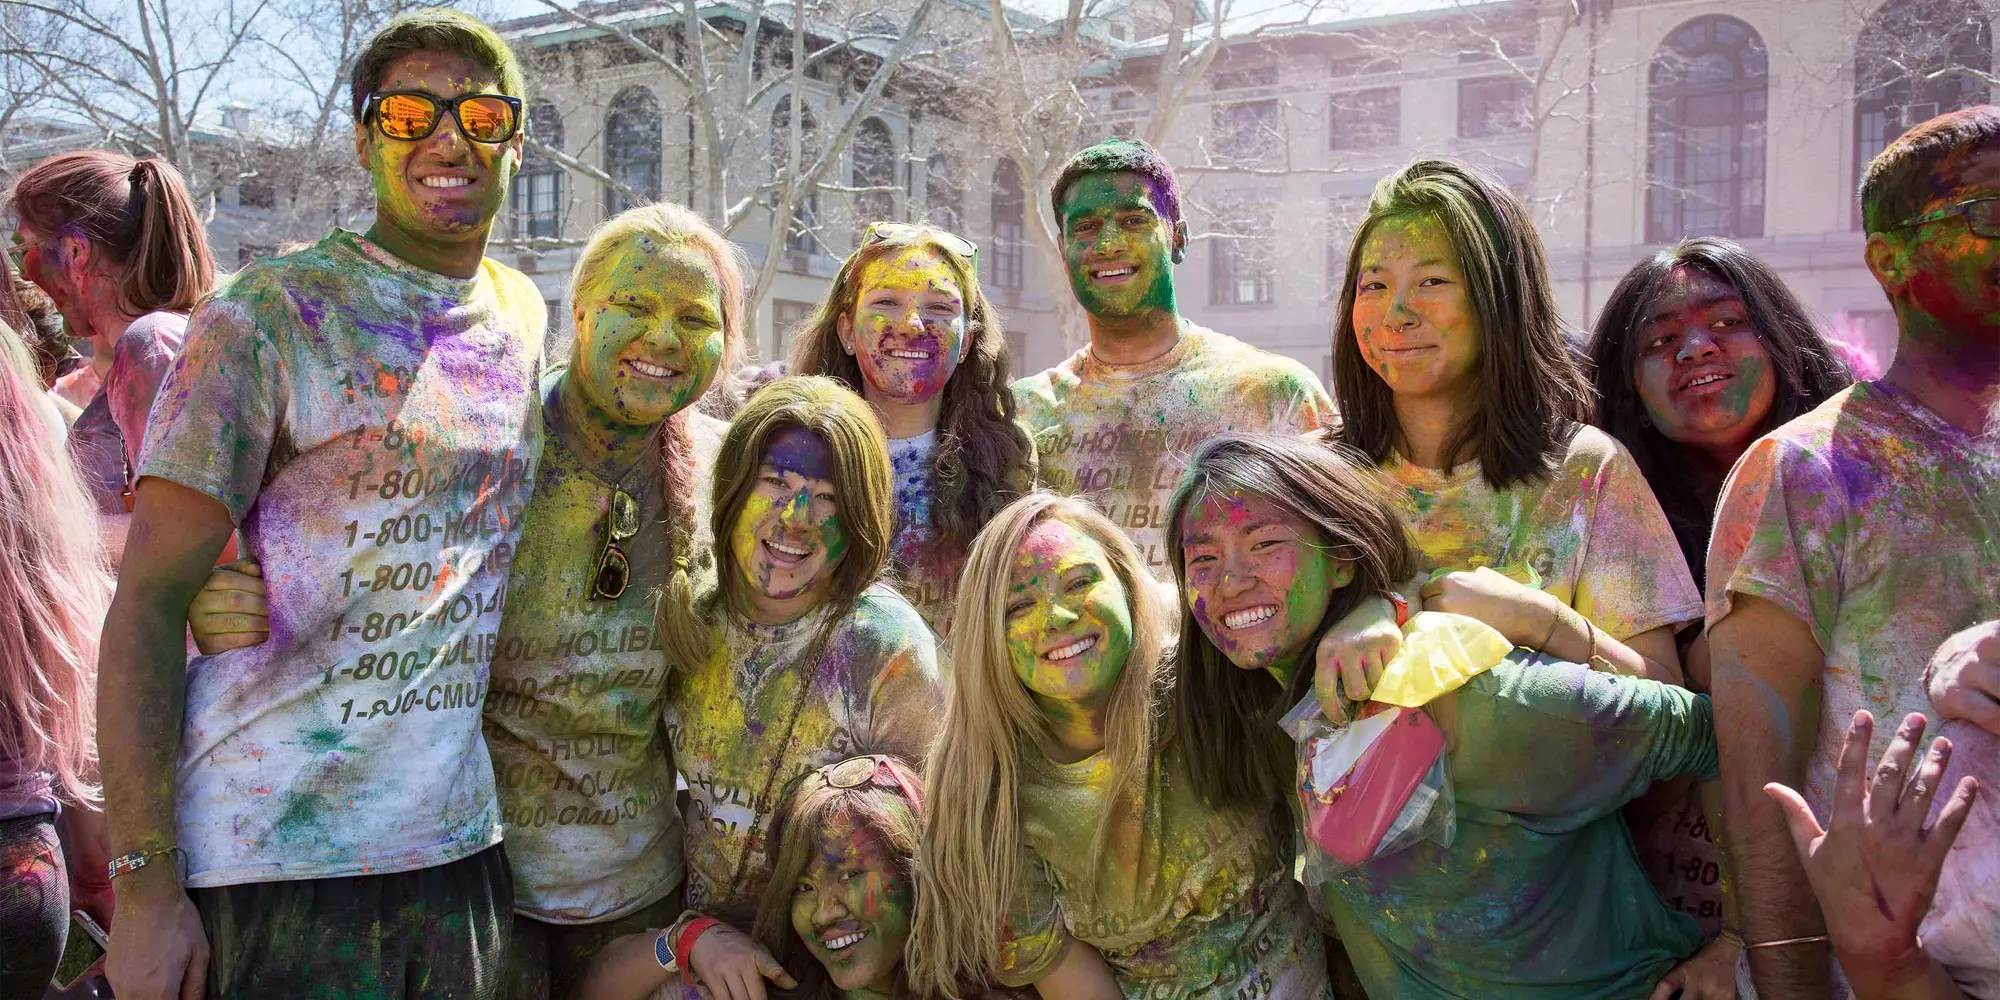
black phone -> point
(85, 947)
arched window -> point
(874, 166)
(942, 194)
(538, 188)
(1706, 145)
(1915, 60)
(632, 147)
(1009, 225)
(799, 234)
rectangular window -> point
(1244, 130)
(538, 205)
(1343, 217)
(1007, 258)
(1243, 265)
(787, 315)
(1492, 105)
(1366, 119)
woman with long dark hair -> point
(1454, 378)
(905, 325)
(1700, 350)
(1538, 894)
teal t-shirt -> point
(1541, 895)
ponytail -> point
(136, 213)
(169, 266)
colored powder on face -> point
(1413, 312)
(801, 452)
(653, 305)
(908, 303)
(1246, 554)
(1068, 593)
(398, 166)
(1110, 223)
(854, 885)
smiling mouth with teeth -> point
(445, 182)
(649, 369)
(1073, 650)
(844, 941)
(790, 551)
(1112, 272)
(1249, 616)
(910, 355)
(1710, 379)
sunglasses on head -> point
(903, 232)
(613, 571)
(410, 115)
(857, 772)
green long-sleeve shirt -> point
(1540, 896)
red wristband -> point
(1402, 609)
(684, 946)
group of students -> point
(577, 670)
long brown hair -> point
(972, 838)
(982, 458)
(669, 224)
(1532, 390)
(137, 213)
(792, 843)
(861, 480)
(1225, 718)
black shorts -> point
(435, 933)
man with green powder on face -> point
(315, 815)
(1117, 419)
(1849, 545)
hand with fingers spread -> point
(1350, 656)
(1963, 678)
(728, 965)
(230, 612)
(1874, 866)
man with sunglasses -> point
(1851, 543)
(316, 815)
(1118, 419)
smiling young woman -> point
(1457, 383)
(906, 325)
(1064, 848)
(1700, 350)
(811, 660)
(1277, 538)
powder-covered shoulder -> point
(1590, 449)
(885, 618)
(1255, 367)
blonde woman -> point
(1062, 849)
